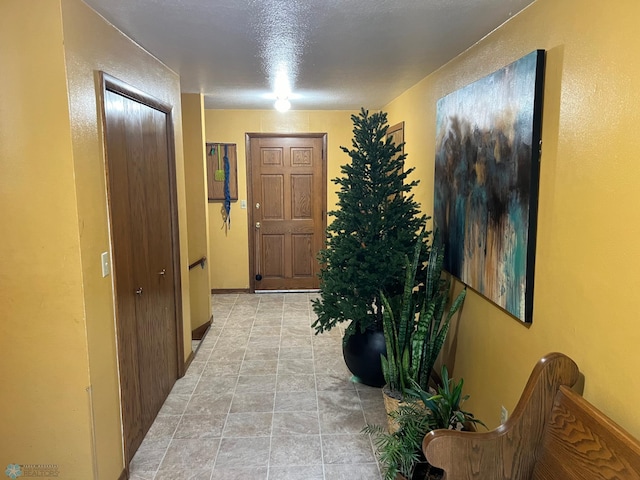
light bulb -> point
(282, 104)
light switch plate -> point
(243, 204)
(106, 263)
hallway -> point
(264, 398)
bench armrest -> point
(508, 452)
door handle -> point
(139, 291)
(258, 225)
(162, 272)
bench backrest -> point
(553, 433)
(580, 442)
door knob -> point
(139, 291)
(257, 224)
(162, 272)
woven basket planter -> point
(391, 404)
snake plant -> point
(399, 452)
(416, 323)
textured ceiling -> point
(328, 54)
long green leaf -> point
(391, 340)
(421, 344)
(403, 371)
(407, 315)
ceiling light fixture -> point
(282, 104)
(281, 27)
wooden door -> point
(141, 188)
(287, 218)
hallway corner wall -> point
(195, 165)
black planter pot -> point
(424, 471)
(362, 355)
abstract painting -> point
(486, 182)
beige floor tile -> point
(310, 472)
(259, 367)
(216, 369)
(175, 404)
(264, 399)
(334, 382)
(296, 298)
(246, 298)
(331, 365)
(213, 403)
(248, 424)
(296, 366)
(216, 384)
(252, 402)
(295, 450)
(244, 309)
(256, 383)
(243, 452)
(269, 308)
(187, 384)
(339, 400)
(266, 330)
(296, 383)
(201, 426)
(365, 471)
(305, 353)
(262, 353)
(163, 428)
(271, 298)
(264, 342)
(298, 310)
(296, 402)
(183, 472)
(190, 453)
(248, 473)
(295, 423)
(271, 320)
(297, 328)
(295, 341)
(228, 355)
(347, 449)
(143, 475)
(341, 421)
(149, 455)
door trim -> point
(250, 202)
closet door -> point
(145, 255)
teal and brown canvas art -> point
(486, 182)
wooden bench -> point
(553, 433)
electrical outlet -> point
(504, 414)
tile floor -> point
(264, 398)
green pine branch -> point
(373, 229)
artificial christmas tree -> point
(375, 227)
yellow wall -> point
(229, 252)
(44, 407)
(588, 223)
(195, 162)
(57, 331)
